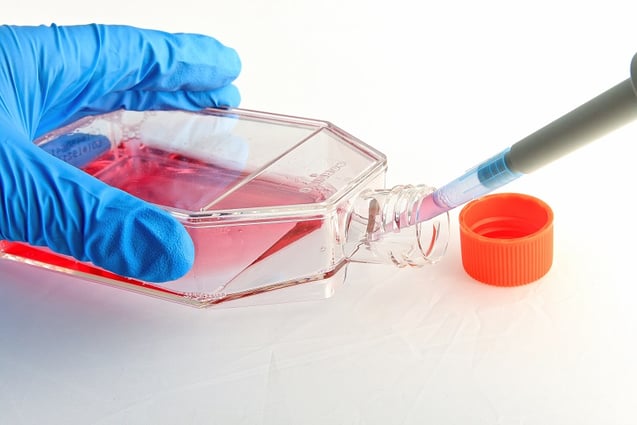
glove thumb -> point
(47, 202)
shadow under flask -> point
(277, 206)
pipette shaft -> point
(590, 121)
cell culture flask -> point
(277, 206)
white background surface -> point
(438, 87)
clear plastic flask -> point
(277, 206)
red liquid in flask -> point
(223, 252)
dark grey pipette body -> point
(599, 116)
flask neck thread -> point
(384, 228)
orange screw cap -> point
(506, 239)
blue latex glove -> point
(53, 75)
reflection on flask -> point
(78, 149)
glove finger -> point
(76, 66)
(47, 202)
(117, 58)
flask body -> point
(274, 204)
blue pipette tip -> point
(480, 180)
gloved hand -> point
(53, 75)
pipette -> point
(590, 121)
